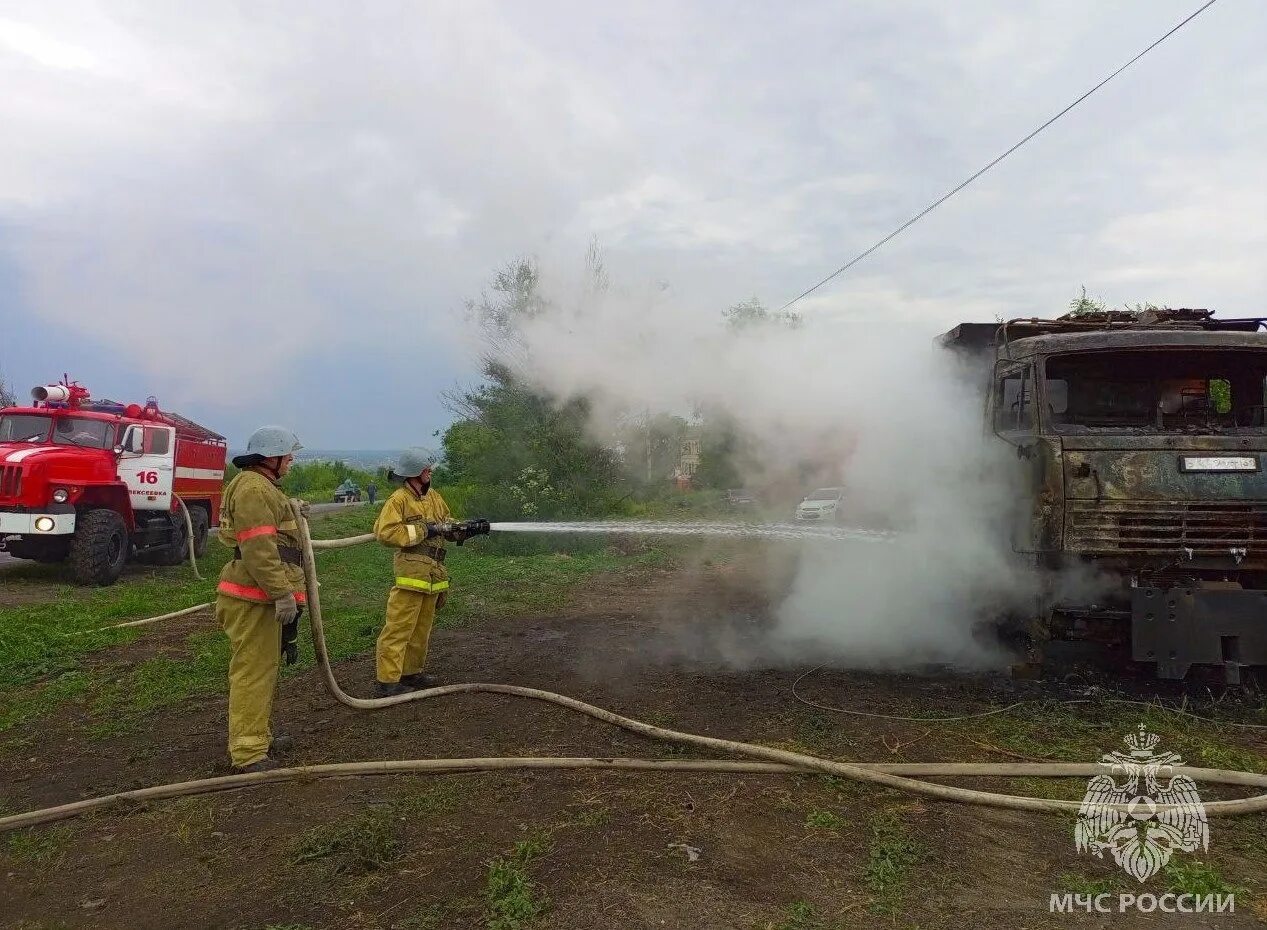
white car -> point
(820, 505)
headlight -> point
(61, 495)
(45, 524)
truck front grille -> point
(1204, 528)
(10, 480)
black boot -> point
(391, 688)
(418, 681)
(267, 764)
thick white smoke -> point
(904, 421)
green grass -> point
(430, 917)
(1197, 878)
(800, 915)
(1082, 732)
(591, 817)
(892, 855)
(42, 669)
(440, 797)
(371, 840)
(364, 843)
(822, 820)
(1075, 883)
(33, 635)
(511, 898)
(38, 846)
(1056, 789)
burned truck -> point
(1142, 439)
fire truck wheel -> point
(198, 516)
(99, 548)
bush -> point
(307, 478)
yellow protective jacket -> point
(402, 524)
(255, 517)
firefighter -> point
(415, 521)
(261, 593)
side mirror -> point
(133, 441)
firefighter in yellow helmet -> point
(416, 522)
(261, 592)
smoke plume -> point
(890, 413)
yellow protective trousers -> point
(255, 641)
(402, 645)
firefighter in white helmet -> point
(416, 522)
(261, 592)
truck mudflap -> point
(1181, 627)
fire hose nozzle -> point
(465, 529)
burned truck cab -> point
(1142, 441)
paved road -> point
(7, 560)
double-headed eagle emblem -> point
(1139, 810)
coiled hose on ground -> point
(903, 777)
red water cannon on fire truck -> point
(95, 484)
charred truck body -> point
(1143, 439)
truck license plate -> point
(1219, 463)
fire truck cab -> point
(95, 484)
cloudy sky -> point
(274, 212)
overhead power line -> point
(957, 188)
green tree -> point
(719, 456)
(520, 453)
(752, 312)
(6, 396)
(722, 444)
(652, 445)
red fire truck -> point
(96, 483)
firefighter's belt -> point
(418, 584)
(288, 554)
(436, 552)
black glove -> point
(290, 638)
(439, 529)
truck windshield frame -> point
(1222, 391)
(86, 432)
(25, 427)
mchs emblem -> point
(1139, 810)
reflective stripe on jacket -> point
(247, 593)
(417, 584)
(401, 524)
(255, 518)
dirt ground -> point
(595, 850)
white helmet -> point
(268, 442)
(413, 462)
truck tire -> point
(99, 548)
(198, 516)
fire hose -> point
(189, 531)
(907, 777)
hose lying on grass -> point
(904, 777)
(531, 763)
